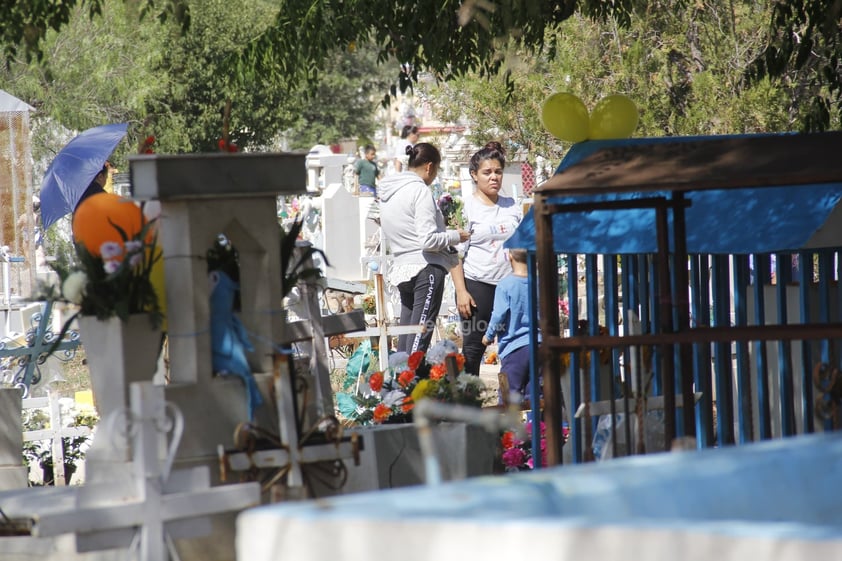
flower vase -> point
(119, 353)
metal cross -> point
(39, 340)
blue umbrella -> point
(73, 169)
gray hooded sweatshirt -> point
(413, 225)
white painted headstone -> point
(12, 473)
(343, 238)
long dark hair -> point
(408, 130)
(423, 153)
(491, 151)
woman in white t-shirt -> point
(491, 219)
(408, 139)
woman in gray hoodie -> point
(421, 248)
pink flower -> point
(514, 457)
(564, 306)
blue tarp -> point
(734, 221)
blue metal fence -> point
(746, 390)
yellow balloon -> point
(565, 117)
(156, 277)
(614, 116)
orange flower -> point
(407, 404)
(460, 361)
(405, 378)
(415, 359)
(438, 371)
(508, 440)
(375, 382)
(382, 412)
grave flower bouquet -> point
(517, 453)
(390, 396)
(114, 278)
(451, 208)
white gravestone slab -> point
(342, 236)
(12, 471)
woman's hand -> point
(464, 235)
(464, 303)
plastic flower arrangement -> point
(115, 279)
(517, 453)
(451, 208)
(390, 396)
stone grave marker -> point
(12, 470)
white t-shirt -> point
(485, 258)
(400, 152)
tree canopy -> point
(684, 73)
(175, 84)
(451, 38)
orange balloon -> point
(91, 225)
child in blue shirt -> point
(510, 324)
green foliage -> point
(174, 84)
(803, 54)
(684, 74)
(199, 85)
(341, 104)
(96, 70)
(27, 24)
(446, 37)
(40, 452)
(287, 67)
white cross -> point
(384, 328)
(55, 433)
(145, 506)
(294, 453)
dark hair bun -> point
(408, 149)
(494, 145)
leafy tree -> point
(803, 54)
(199, 87)
(26, 24)
(342, 103)
(118, 66)
(452, 38)
(94, 71)
(684, 73)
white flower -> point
(398, 359)
(110, 250)
(464, 381)
(135, 260)
(393, 398)
(74, 287)
(133, 246)
(111, 266)
(440, 350)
